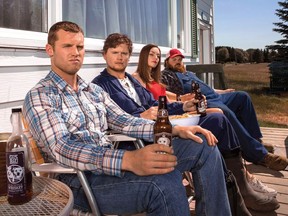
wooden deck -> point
(277, 180)
(274, 179)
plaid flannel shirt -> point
(69, 126)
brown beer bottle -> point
(200, 106)
(162, 126)
(193, 88)
(18, 163)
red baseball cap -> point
(174, 52)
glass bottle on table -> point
(163, 126)
(18, 163)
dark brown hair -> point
(115, 39)
(143, 68)
(64, 25)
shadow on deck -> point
(277, 180)
(274, 179)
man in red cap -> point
(236, 105)
(174, 52)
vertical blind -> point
(143, 21)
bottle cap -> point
(14, 110)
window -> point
(28, 15)
(144, 21)
(167, 23)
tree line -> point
(276, 55)
(226, 54)
(277, 52)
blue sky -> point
(245, 24)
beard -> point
(179, 67)
(117, 68)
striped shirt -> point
(69, 126)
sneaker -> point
(275, 162)
(258, 186)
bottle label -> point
(163, 138)
(15, 172)
(201, 107)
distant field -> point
(271, 109)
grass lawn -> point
(271, 109)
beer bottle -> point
(162, 126)
(200, 105)
(193, 89)
(18, 163)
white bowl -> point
(191, 120)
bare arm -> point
(220, 91)
(172, 97)
(214, 110)
(136, 76)
(151, 113)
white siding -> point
(21, 69)
(23, 62)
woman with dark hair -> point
(149, 70)
(148, 73)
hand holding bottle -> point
(148, 161)
(162, 126)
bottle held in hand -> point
(200, 106)
(193, 88)
(163, 126)
(18, 163)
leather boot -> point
(237, 204)
(253, 200)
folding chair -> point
(53, 168)
(50, 169)
(116, 138)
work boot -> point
(269, 147)
(253, 200)
(275, 162)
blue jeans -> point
(220, 126)
(238, 108)
(159, 195)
